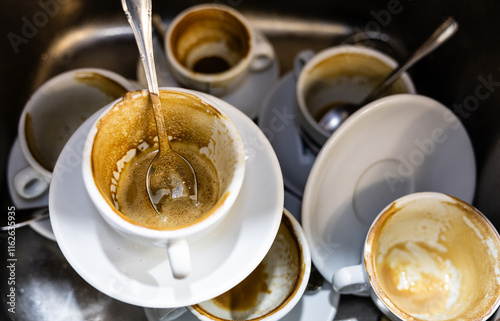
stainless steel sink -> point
(45, 37)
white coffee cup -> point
(428, 256)
(269, 292)
(53, 113)
(341, 74)
(125, 128)
(212, 47)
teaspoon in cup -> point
(337, 115)
(170, 176)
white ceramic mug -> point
(126, 128)
(53, 113)
(428, 256)
(341, 74)
(269, 292)
(212, 47)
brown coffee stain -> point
(352, 65)
(211, 65)
(207, 26)
(435, 259)
(130, 126)
(104, 84)
(244, 295)
(243, 300)
(134, 204)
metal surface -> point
(45, 37)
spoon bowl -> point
(170, 178)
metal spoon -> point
(170, 176)
(26, 217)
(336, 116)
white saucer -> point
(277, 121)
(247, 97)
(321, 305)
(15, 164)
(373, 159)
(140, 275)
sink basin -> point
(46, 37)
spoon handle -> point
(441, 35)
(139, 14)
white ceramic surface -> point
(54, 111)
(392, 147)
(139, 275)
(319, 306)
(17, 162)
(277, 120)
(247, 96)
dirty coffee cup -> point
(270, 291)
(428, 256)
(212, 47)
(123, 142)
(52, 115)
(338, 75)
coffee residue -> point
(245, 295)
(211, 65)
(432, 262)
(133, 202)
(101, 82)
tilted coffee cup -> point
(115, 161)
(338, 75)
(428, 256)
(212, 47)
(53, 113)
(269, 292)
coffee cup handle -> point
(301, 60)
(29, 184)
(179, 258)
(351, 280)
(263, 55)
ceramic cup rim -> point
(150, 234)
(326, 54)
(234, 71)
(374, 285)
(44, 90)
(298, 292)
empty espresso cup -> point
(428, 256)
(269, 292)
(53, 113)
(338, 75)
(123, 142)
(212, 47)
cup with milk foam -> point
(428, 256)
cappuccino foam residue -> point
(129, 194)
(435, 261)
